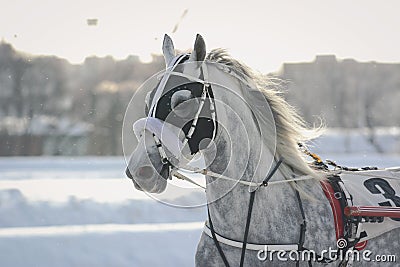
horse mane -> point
(290, 130)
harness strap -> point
(190, 169)
(178, 175)
(246, 230)
(244, 245)
(250, 246)
(303, 227)
(214, 237)
(251, 204)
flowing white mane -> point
(290, 127)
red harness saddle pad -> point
(374, 193)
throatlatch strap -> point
(251, 202)
(221, 252)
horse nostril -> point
(145, 172)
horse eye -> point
(183, 104)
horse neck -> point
(276, 215)
(229, 206)
(238, 157)
(241, 151)
(276, 207)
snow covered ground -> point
(84, 212)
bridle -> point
(205, 115)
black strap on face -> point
(205, 124)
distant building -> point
(346, 93)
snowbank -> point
(82, 212)
(17, 211)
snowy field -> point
(84, 212)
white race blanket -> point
(375, 188)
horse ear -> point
(168, 50)
(199, 50)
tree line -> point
(97, 92)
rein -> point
(175, 173)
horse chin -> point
(159, 186)
(154, 185)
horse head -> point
(182, 109)
(179, 119)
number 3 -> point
(388, 192)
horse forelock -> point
(291, 129)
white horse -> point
(251, 129)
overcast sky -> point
(261, 33)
